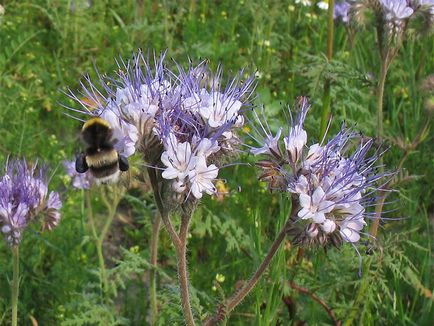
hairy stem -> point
(225, 309)
(153, 273)
(163, 213)
(380, 133)
(325, 115)
(180, 243)
(15, 284)
(182, 269)
(380, 94)
(378, 211)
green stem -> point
(96, 239)
(180, 243)
(224, 309)
(378, 211)
(380, 95)
(163, 213)
(15, 284)
(325, 114)
(326, 97)
(111, 206)
(380, 134)
(182, 269)
(152, 273)
(99, 239)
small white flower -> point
(295, 142)
(206, 147)
(351, 227)
(315, 207)
(315, 152)
(221, 110)
(178, 159)
(198, 101)
(328, 226)
(323, 5)
(201, 178)
(136, 108)
(123, 96)
(271, 143)
(302, 185)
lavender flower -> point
(79, 180)
(198, 128)
(396, 10)
(24, 197)
(332, 185)
(341, 11)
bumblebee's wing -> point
(80, 163)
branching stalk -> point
(99, 238)
(225, 309)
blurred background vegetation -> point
(46, 46)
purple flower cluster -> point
(182, 120)
(332, 185)
(24, 197)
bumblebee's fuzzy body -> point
(100, 156)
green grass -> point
(45, 47)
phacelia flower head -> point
(24, 197)
(199, 127)
(183, 121)
(333, 184)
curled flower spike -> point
(24, 198)
(334, 183)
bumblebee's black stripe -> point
(104, 171)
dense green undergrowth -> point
(46, 46)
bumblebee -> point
(100, 156)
